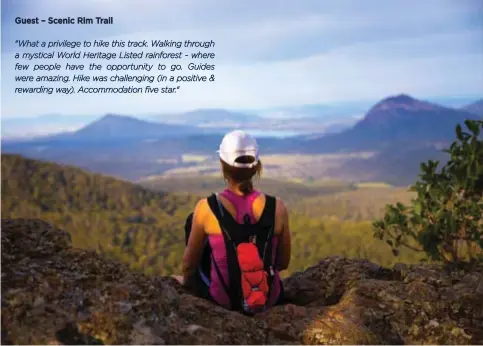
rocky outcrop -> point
(55, 294)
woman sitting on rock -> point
(238, 240)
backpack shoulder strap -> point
(268, 221)
(215, 206)
(267, 252)
(229, 227)
(268, 214)
(233, 289)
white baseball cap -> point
(236, 144)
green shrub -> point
(445, 220)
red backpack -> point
(249, 256)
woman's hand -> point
(179, 278)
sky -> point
(269, 54)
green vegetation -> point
(445, 221)
(309, 169)
(138, 226)
(361, 204)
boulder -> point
(55, 294)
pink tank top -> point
(244, 211)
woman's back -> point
(243, 209)
(231, 201)
(247, 232)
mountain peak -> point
(113, 117)
(111, 121)
(402, 102)
(402, 116)
(123, 126)
(401, 98)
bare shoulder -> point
(201, 207)
(202, 202)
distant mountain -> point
(393, 121)
(113, 126)
(405, 118)
(131, 148)
(475, 108)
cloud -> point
(271, 54)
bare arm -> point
(285, 239)
(196, 241)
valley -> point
(295, 167)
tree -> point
(446, 219)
